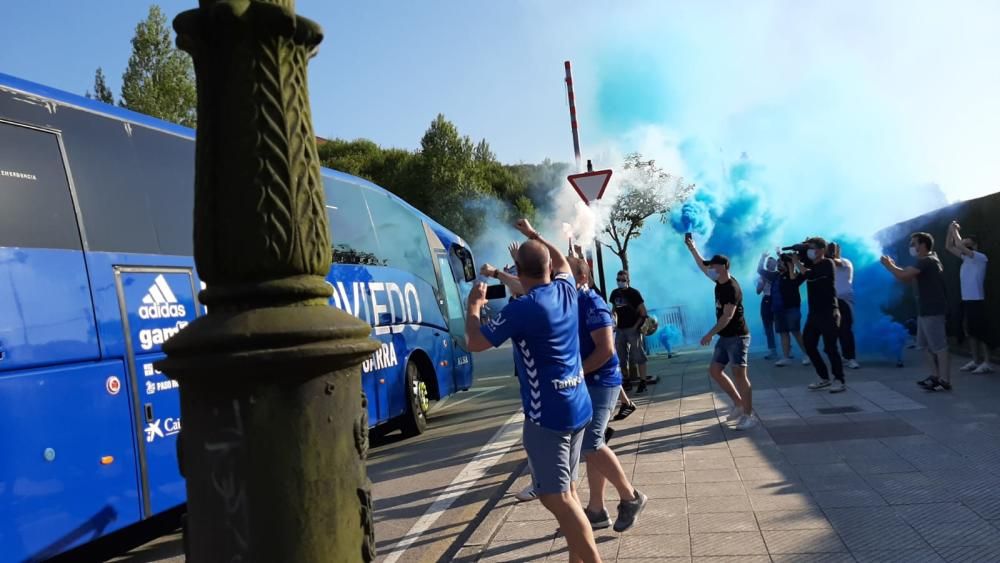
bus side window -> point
(400, 232)
(351, 231)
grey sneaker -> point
(821, 384)
(598, 521)
(629, 511)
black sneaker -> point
(608, 433)
(598, 521)
(935, 383)
(625, 410)
(927, 383)
(629, 511)
(641, 388)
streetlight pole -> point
(275, 428)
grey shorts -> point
(628, 347)
(931, 333)
(604, 400)
(731, 350)
(554, 457)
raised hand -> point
(512, 248)
(525, 228)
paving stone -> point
(664, 478)
(874, 467)
(715, 489)
(782, 502)
(775, 488)
(661, 520)
(732, 559)
(898, 556)
(527, 530)
(750, 461)
(644, 560)
(729, 543)
(768, 473)
(709, 453)
(510, 551)
(958, 534)
(792, 520)
(888, 537)
(970, 554)
(669, 491)
(802, 541)
(918, 495)
(812, 558)
(739, 503)
(655, 546)
(529, 511)
(863, 516)
(712, 476)
(722, 522)
(825, 471)
(703, 464)
(607, 542)
(986, 506)
(658, 467)
(848, 498)
(836, 483)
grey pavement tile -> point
(878, 466)
(661, 520)
(775, 488)
(722, 522)
(527, 530)
(825, 471)
(655, 546)
(871, 516)
(918, 495)
(769, 473)
(791, 501)
(754, 461)
(792, 520)
(812, 558)
(648, 560)
(926, 555)
(889, 537)
(936, 512)
(803, 541)
(958, 534)
(727, 543)
(607, 542)
(511, 551)
(709, 453)
(659, 466)
(970, 554)
(529, 512)
(848, 498)
(712, 476)
(665, 478)
(696, 464)
(740, 503)
(666, 491)
(715, 489)
(987, 506)
(732, 559)
(973, 487)
(811, 454)
(836, 483)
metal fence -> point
(672, 332)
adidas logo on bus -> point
(160, 302)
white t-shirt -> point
(972, 275)
(843, 278)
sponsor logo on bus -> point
(150, 337)
(18, 175)
(160, 302)
(169, 427)
(372, 301)
(384, 357)
(153, 386)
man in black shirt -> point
(630, 312)
(733, 345)
(824, 316)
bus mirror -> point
(468, 266)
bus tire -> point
(415, 420)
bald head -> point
(533, 261)
(581, 270)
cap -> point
(717, 259)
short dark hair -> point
(818, 242)
(924, 238)
(974, 239)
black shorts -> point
(976, 320)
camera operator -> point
(823, 320)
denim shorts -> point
(789, 320)
(731, 350)
(604, 400)
(554, 457)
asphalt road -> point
(431, 489)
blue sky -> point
(907, 90)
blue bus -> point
(96, 273)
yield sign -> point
(590, 185)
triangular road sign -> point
(590, 185)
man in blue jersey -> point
(544, 327)
(600, 364)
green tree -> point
(646, 191)
(159, 79)
(101, 90)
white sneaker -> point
(747, 422)
(853, 364)
(735, 413)
(838, 387)
(969, 366)
(821, 384)
(806, 362)
(783, 362)
(528, 493)
(984, 367)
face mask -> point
(622, 285)
(772, 267)
(811, 253)
(713, 275)
(913, 251)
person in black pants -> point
(844, 283)
(824, 316)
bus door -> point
(155, 304)
(456, 262)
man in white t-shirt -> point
(844, 283)
(974, 313)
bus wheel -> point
(415, 421)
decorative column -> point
(275, 426)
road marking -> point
(481, 391)
(505, 438)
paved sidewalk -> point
(883, 472)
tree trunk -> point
(624, 257)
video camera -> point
(801, 249)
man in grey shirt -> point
(931, 307)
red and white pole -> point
(572, 114)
